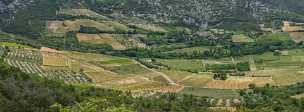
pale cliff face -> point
(13, 5)
(198, 12)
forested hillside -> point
(203, 14)
(195, 13)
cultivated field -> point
(127, 74)
(100, 39)
(288, 76)
(218, 93)
(100, 70)
(61, 27)
(98, 25)
(284, 69)
(30, 61)
(192, 65)
(190, 50)
(120, 73)
(81, 12)
(177, 76)
(13, 44)
(239, 82)
(292, 27)
(183, 64)
(199, 81)
(149, 27)
(297, 36)
(55, 60)
(88, 38)
(241, 38)
(130, 41)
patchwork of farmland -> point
(239, 82)
(121, 73)
(61, 27)
(281, 68)
(184, 76)
(295, 30)
(30, 61)
(117, 41)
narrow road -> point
(170, 81)
(186, 78)
(90, 65)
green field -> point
(3, 35)
(13, 44)
(183, 64)
(241, 39)
(218, 93)
(295, 57)
(130, 69)
(117, 61)
(284, 69)
(190, 50)
(274, 37)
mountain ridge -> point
(198, 13)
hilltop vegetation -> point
(30, 18)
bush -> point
(243, 66)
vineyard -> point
(30, 61)
(224, 102)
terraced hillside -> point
(30, 61)
(120, 73)
(86, 68)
